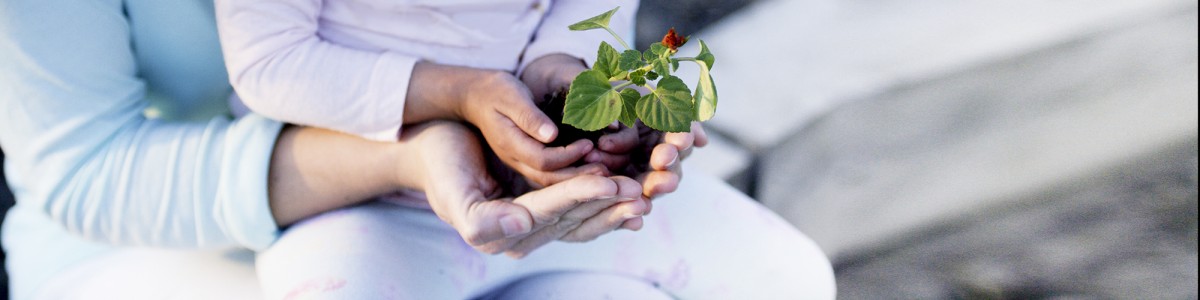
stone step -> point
(891, 163)
(782, 63)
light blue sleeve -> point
(81, 152)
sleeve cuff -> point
(390, 79)
(242, 193)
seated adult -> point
(132, 182)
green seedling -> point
(605, 93)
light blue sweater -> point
(112, 117)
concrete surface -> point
(782, 63)
(896, 163)
(1127, 232)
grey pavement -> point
(1128, 232)
(970, 149)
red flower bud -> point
(672, 40)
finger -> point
(529, 118)
(630, 206)
(539, 179)
(660, 182)
(609, 160)
(634, 224)
(606, 221)
(663, 157)
(569, 221)
(628, 190)
(537, 156)
(681, 140)
(547, 205)
(701, 138)
(537, 239)
(488, 185)
(488, 221)
(621, 141)
(649, 206)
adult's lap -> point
(704, 241)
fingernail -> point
(512, 226)
(626, 199)
(673, 161)
(546, 131)
(606, 144)
(585, 147)
(630, 215)
(592, 157)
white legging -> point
(706, 241)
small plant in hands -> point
(604, 94)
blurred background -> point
(960, 149)
(963, 149)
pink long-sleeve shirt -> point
(346, 64)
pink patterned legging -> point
(705, 241)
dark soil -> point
(639, 160)
(511, 182)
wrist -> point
(440, 91)
(473, 87)
(478, 87)
(404, 165)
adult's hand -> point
(458, 187)
(579, 209)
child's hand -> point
(501, 107)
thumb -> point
(531, 120)
(493, 220)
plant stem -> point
(622, 85)
(619, 39)
(692, 59)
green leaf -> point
(621, 75)
(631, 59)
(606, 60)
(705, 56)
(659, 57)
(669, 107)
(592, 103)
(629, 99)
(706, 94)
(599, 21)
(638, 77)
(651, 75)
